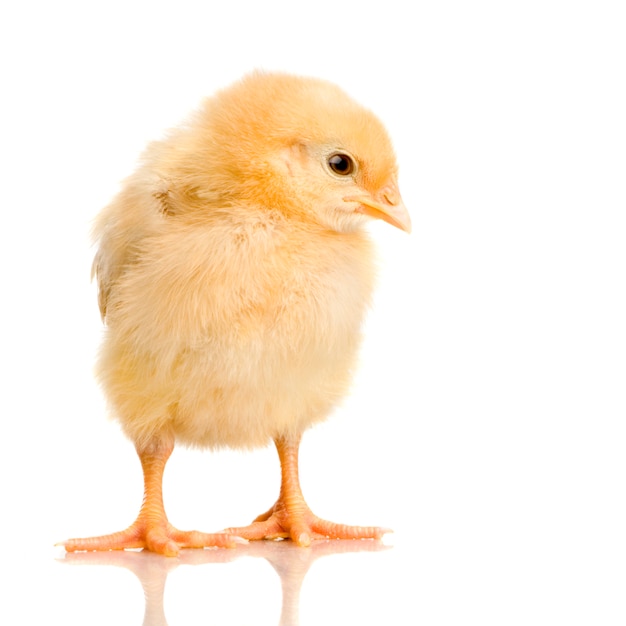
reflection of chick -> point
(234, 275)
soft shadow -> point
(290, 562)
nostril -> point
(390, 195)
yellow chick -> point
(234, 274)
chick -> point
(234, 273)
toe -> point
(269, 529)
(343, 531)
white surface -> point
(486, 425)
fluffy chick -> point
(234, 273)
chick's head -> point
(298, 145)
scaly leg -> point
(151, 530)
(291, 517)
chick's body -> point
(234, 274)
(235, 331)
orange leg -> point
(291, 517)
(151, 530)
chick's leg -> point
(291, 517)
(151, 530)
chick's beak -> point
(386, 205)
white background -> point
(486, 425)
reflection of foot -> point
(291, 518)
(288, 560)
(155, 535)
(294, 520)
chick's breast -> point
(233, 329)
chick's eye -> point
(341, 164)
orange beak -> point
(386, 205)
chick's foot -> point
(152, 530)
(299, 524)
(291, 517)
(158, 537)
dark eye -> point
(341, 164)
